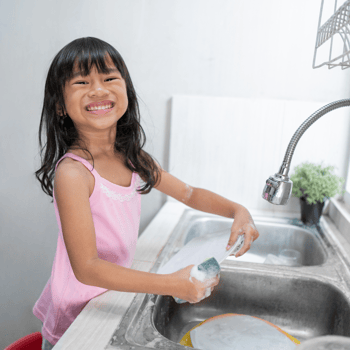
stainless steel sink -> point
(305, 308)
(274, 237)
(306, 301)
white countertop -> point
(95, 325)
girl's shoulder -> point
(70, 171)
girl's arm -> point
(209, 202)
(72, 186)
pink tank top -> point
(116, 215)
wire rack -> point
(337, 27)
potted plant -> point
(313, 184)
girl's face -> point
(106, 91)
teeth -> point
(99, 107)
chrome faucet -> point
(278, 187)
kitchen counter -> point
(96, 324)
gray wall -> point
(206, 47)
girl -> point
(94, 151)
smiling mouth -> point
(101, 111)
(100, 107)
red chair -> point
(29, 342)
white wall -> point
(250, 49)
(240, 142)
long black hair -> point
(61, 134)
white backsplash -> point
(232, 145)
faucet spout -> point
(278, 187)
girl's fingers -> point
(245, 248)
(247, 228)
(233, 238)
(248, 240)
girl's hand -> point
(243, 225)
(191, 289)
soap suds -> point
(155, 343)
(207, 293)
(198, 275)
(206, 273)
(202, 277)
(188, 194)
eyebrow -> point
(110, 70)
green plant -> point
(313, 182)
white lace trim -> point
(120, 197)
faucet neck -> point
(305, 125)
(284, 169)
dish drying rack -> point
(338, 23)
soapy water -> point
(239, 333)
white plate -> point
(202, 248)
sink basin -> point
(307, 301)
(304, 308)
(274, 237)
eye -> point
(80, 82)
(111, 79)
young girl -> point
(93, 151)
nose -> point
(98, 90)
